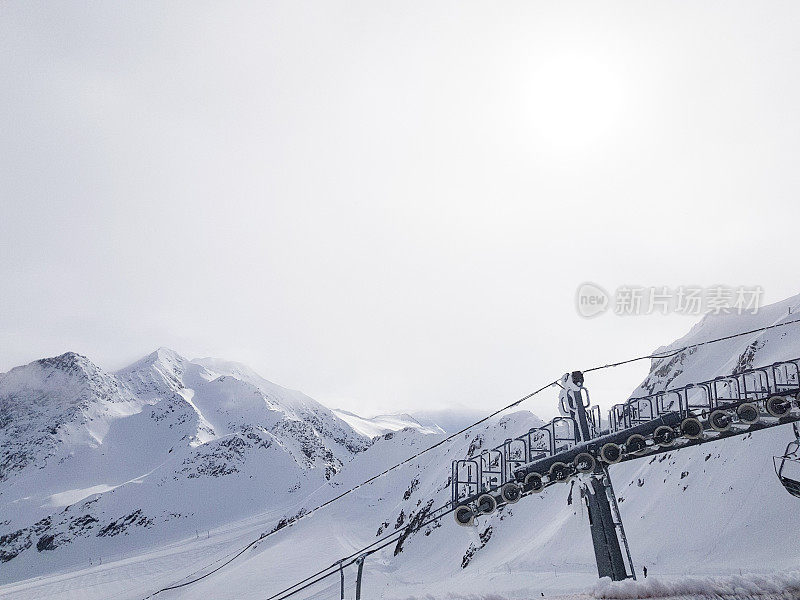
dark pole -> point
(360, 563)
(618, 516)
(605, 539)
(580, 409)
(341, 576)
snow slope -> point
(728, 356)
(715, 509)
(99, 464)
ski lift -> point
(787, 467)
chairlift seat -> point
(790, 457)
(792, 486)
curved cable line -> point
(437, 444)
(350, 559)
(684, 348)
(351, 490)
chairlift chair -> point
(787, 467)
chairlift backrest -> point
(492, 464)
(515, 453)
(667, 402)
(785, 376)
(726, 389)
(755, 383)
(697, 396)
(466, 478)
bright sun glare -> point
(578, 101)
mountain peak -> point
(70, 363)
(166, 354)
(163, 364)
(160, 356)
(228, 367)
(68, 358)
(69, 368)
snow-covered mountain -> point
(715, 509)
(382, 424)
(55, 405)
(158, 449)
(733, 355)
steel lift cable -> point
(467, 428)
(386, 540)
(679, 350)
(351, 490)
(650, 356)
(352, 558)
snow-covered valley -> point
(114, 485)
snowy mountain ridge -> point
(53, 401)
(84, 450)
(383, 424)
(711, 509)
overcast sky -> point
(388, 205)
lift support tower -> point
(604, 517)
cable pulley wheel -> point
(720, 421)
(511, 492)
(486, 504)
(747, 413)
(664, 436)
(611, 453)
(464, 516)
(692, 428)
(778, 406)
(559, 472)
(584, 463)
(636, 444)
(534, 482)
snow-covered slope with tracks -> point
(715, 509)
